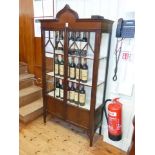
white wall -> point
(112, 9)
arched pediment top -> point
(67, 13)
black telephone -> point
(125, 28)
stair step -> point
(29, 94)
(31, 111)
(23, 69)
(25, 76)
(22, 63)
(25, 83)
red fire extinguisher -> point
(114, 119)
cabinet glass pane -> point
(104, 45)
(54, 45)
(80, 67)
(102, 68)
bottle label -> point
(72, 72)
(57, 92)
(61, 69)
(56, 68)
(71, 95)
(84, 75)
(76, 97)
(82, 98)
(61, 93)
(77, 73)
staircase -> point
(30, 96)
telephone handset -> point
(125, 28)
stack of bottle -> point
(78, 43)
(75, 94)
(78, 72)
(59, 65)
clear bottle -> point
(82, 96)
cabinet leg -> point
(100, 130)
(91, 141)
(44, 117)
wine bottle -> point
(68, 93)
(57, 91)
(76, 94)
(84, 39)
(78, 68)
(61, 67)
(61, 89)
(83, 46)
(56, 40)
(84, 72)
(82, 96)
(78, 42)
(71, 94)
(56, 65)
(71, 44)
(72, 69)
(61, 41)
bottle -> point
(57, 91)
(84, 39)
(56, 65)
(83, 46)
(78, 43)
(61, 67)
(61, 89)
(61, 41)
(72, 44)
(72, 70)
(71, 93)
(68, 93)
(84, 72)
(78, 68)
(56, 40)
(76, 95)
(82, 96)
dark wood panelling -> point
(26, 33)
(38, 55)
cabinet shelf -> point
(50, 55)
(89, 83)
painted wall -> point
(124, 86)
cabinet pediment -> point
(67, 14)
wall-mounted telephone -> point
(125, 28)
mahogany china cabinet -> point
(75, 57)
